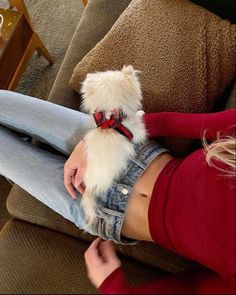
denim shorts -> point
(111, 207)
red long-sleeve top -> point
(191, 212)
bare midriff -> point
(135, 225)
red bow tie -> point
(115, 120)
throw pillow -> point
(186, 54)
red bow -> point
(115, 120)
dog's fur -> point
(107, 150)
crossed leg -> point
(40, 172)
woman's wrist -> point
(114, 283)
(81, 142)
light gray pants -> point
(40, 172)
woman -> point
(191, 211)
(152, 193)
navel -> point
(143, 195)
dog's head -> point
(112, 90)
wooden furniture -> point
(20, 6)
(18, 43)
(85, 2)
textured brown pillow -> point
(186, 54)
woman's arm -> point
(193, 282)
(105, 272)
(192, 126)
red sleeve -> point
(195, 282)
(190, 126)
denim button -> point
(124, 191)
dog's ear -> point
(129, 71)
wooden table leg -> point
(40, 47)
(20, 6)
(85, 2)
(34, 43)
(37, 42)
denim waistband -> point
(111, 207)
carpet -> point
(55, 21)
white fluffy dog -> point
(114, 100)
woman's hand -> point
(74, 170)
(101, 260)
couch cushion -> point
(186, 54)
(96, 21)
(34, 260)
(22, 205)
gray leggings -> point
(38, 171)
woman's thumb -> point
(107, 250)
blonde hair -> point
(222, 151)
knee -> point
(4, 93)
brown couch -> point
(40, 251)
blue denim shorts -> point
(111, 207)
